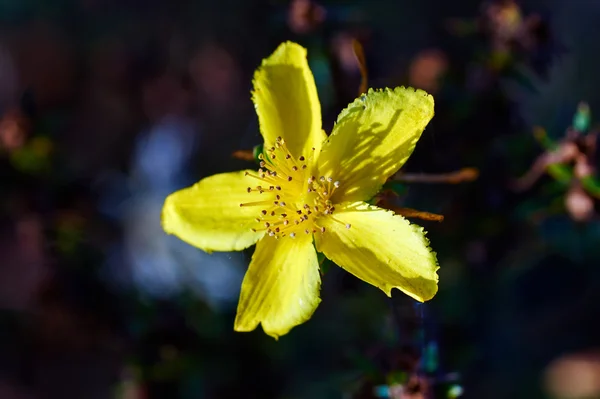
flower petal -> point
(286, 101)
(281, 287)
(381, 248)
(208, 215)
(372, 138)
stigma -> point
(294, 199)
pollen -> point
(292, 199)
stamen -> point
(254, 203)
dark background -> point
(108, 106)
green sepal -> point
(396, 187)
(256, 151)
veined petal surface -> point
(281, 287)
(286, 101)
(372, 138)
(208, 215)
(381, 248)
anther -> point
(329, 179)
(288, 156)
(322, 179)
(301, 158)
(292, 234)
(263, 212)
(336, 184)
(348, 225)
(289, 178)
(282, 203)
(322, 229)
(278, 196)
(267, 224)
(272, 213)
(294, 168)
(306, 231)
(249, 189)
(286, 222)
(278, 188)
(271, 188)
(299, 212)
(284, 215)
(303, 166)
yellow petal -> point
(286, 101)
(373, 137)
(208, 215)
(381, 248)
(281, 287)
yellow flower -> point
(309, 189)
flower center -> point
(294, 199)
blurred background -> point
(108, 106)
